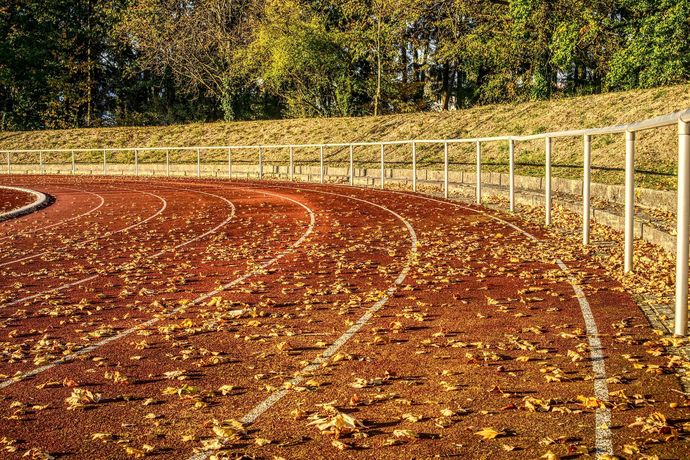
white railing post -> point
(586, 189)
(683, 216)
(41, 170)
(105, 165)
(547, 184)
(74, 163)
(198, 162)
(291, 172)
(229, 163)
(321, 171)
(261, 163)
(167, 162)
(478, 185)
(414, 166)
(9, 163)
(629, 200)
(136, 162)
(511, 178)
(352, 166)
(445, 170)
(383, 168)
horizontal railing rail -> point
(681, 119)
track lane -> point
(257, 273)
(568, 281)
(40, 319)
(45, 295)
(69, 206)
(609, 343)
(603, 436)
(147, 257)
(498, 389)
(75, 267)
(396, 376)
(183, 294)
(13, 258)
(13, 233)
(359, 254)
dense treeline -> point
(76, 63)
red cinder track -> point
(443, 330)
(13, 199)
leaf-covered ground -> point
(13, 199)
(223, 319)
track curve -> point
(446, 329)
(13, 232)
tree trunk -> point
(403, 61)
(422, 76)
(89, 65)
(459, 100)
(446, 86)
(377, 96)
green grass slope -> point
(655, 161)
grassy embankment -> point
(655, 158)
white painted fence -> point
(682, 119)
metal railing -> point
(681, 119)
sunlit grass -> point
(655, 157)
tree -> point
(296, 58)
(372, 31)
(197, 42)
(655, 46)
(53, 60)
(73, 63)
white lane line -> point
(106, 235)
(51, 291)
(206, 233)
(201, 298)
(602, 419)
(92, 210)
(604, 444)
(276, 396)
(158, 254)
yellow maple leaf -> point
(489, 433)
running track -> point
(261, 302)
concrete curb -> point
(40, 201)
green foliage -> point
(564, 44)
(656, 50)
(521, 10)
(73, 63)
(294, 56)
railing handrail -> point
(650, 123)
(681, 118)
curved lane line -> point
(603, 437)
(276, 396)
(107, 234)
(159, 253)
(196, 301)
(61, 222)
